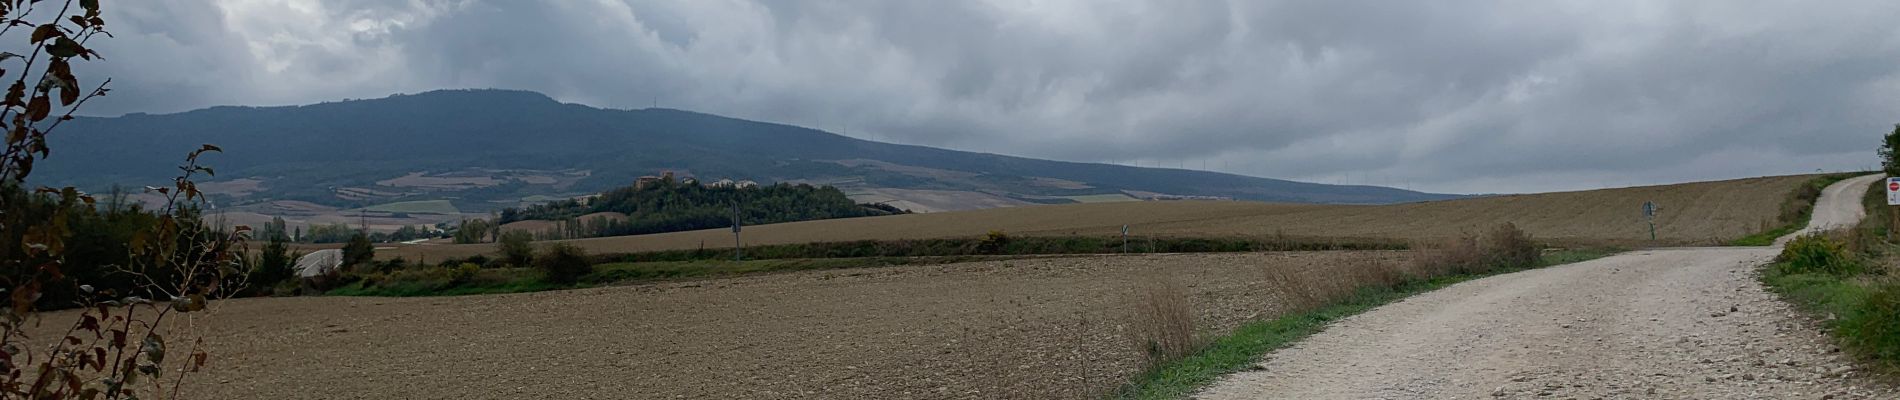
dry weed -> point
(1296, 290)
(1504, 246)
(1162, 321)
(1695, 211)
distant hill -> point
(489, 149)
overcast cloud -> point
(1448, 96)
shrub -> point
(1867, 236)
(1816, 254)
(1874, 327)
(358, 251)
(1459, 255)
(994, 242)
(273, 265)
(564, 263)
(478, 259)
(391, 265)
(1505, 247)
(463, 273)
(517, 247)
(285, 288)
(1511, 248)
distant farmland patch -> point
(236, 187)
(536, 199)
(1101, 198)
(416, 207)
(440, 182)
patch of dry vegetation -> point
(1162, 321)
(1693, 213)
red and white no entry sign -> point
(1893, 190)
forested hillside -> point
(490, 149)
(669, 206)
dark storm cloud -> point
(1468, 96)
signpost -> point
(1893, 191)
(738, 247)
(1649, 215)
(1893, 199)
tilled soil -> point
(1032, 328)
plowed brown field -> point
(1030, 328)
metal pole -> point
(738, 246)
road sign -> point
(1893, 191)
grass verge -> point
(1244, 346)
(397, 278)
(1849, 279)
(436, 281)
(1862, 313)
(1795, 211)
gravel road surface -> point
(1675, 323)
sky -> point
(1444, 96)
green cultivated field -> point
(417, 207)
(1101, 198)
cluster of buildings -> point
(650, 180)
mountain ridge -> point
(293, 151)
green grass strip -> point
(1242, 348)
(1817, 293)
(519, 280)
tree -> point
(273, 264)
(275, 228)
(1890, 152)
(678, 207)
(169, 254)
(332, 233)
(471, 231)
(404, 234)
(358, 251)
(517, 247)
(564, 264)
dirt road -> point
(1838, 208)
(1677, 323)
